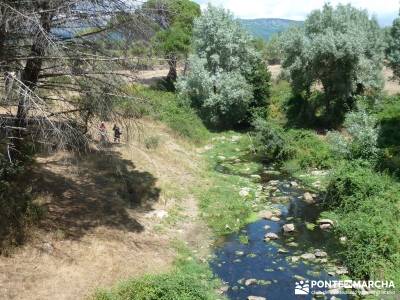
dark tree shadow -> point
(389, 140)
(106, 192)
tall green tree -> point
(341, 48)
(393, 50)
(175, 18)
(227, 77)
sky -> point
(384, 10)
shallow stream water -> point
(270, 262)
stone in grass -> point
(244, 192)
(250, 281)
(325, 221)
(256, 298)
(223, 289)
(256, 176)
(325, 226)
(341, 270)
(271, 236)
(308, 256)
(288, 228)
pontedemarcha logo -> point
(302, 287)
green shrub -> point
(302, 148)
(271, 141)
(168, 108)
(365, 206)
(362, 139)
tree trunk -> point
(29, 78)
(33, 66)
(172, 74)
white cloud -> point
(385, 10)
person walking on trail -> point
(103, 132)
(117, 134)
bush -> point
(271, 141)
(15, 202)
(365, 206)
(362, 142)
(303, 148)
(170, 109)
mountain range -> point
(265, 28)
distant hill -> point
(265, 28)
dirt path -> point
(109, 216)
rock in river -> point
(308, 198)
(319, 253)
(271, 236)
(325, 224)
(266, 214)
(256, 298)
(308, 256)
(250, 281)
(275, 219)
(288, 228)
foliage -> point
(365, 206)
(188, 280)
(393, 50)
(174, 40)
(341, 48)
(302, 149)
(271, 140)
(362, 142)
(273, 49)
(224, 59)
(168, 108)
(225, 217)
(15, 201)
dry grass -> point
(99, 227)
(391, 87)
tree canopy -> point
(341, 48)
(393, 50)
(226, 76)
(176, 22)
